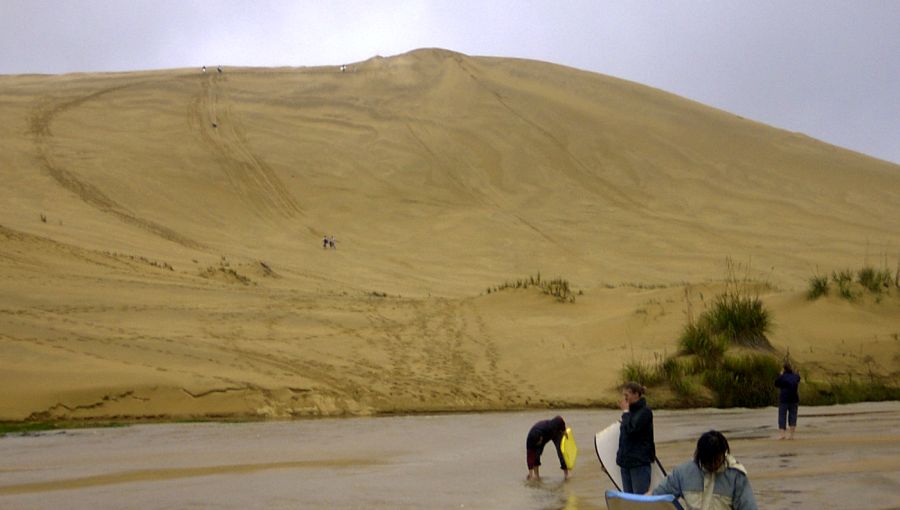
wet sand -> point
(438, 461)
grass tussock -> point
(818, 287)
(646, 374)
(852, 285)
(874, 280)
(735, 318)
(740, 319)
(744, 380)
(558, 288)
(699, 341)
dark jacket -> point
(787, 384)
(544, 432)
(636, 446)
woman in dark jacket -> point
(540, 434)
(788, 384)
(637, 449)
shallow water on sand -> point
(843, 457)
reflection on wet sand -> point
(442, 461)
(147, 475)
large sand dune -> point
(161, 237)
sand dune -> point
(160, 242)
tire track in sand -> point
(442, 353)
(221, 130)
(39, 127)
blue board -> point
(616, 500)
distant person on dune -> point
(324, 242)
(331, 243)
(204, 69)
(219, 68)
(540, 434)
(714, 480)
(788, 384)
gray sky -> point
(830, 69)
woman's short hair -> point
(711, 448)
(634, 387)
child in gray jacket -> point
(714, 480)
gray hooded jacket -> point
(726, 489)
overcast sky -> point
(830, 69)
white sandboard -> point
(606, 444)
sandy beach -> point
(843, 457)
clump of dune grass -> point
(733, 319)
(741, 319)
(744, 380)
(818, 287)
(697, 339)
(867, 279)
(647, 374)
(843, 279)
(874, 280)
(559, 288)
(738, 320)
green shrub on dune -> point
(818, 287)
(742, 320)
(644, 373)
(697, 339)
(744, 380)
(874, 280)
(735, 321)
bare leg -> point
(781, 434)
(791, 433)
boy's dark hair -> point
(711, 449)
(788, 369)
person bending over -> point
(540, 434)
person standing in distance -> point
(788, 384)
(637, 450)
(540, 434)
